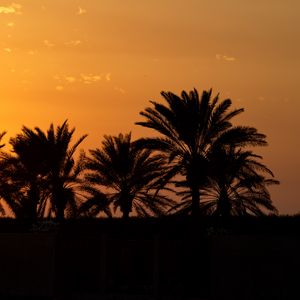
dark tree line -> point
(200, 163)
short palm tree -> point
(18, 190)
(189, 126)
(6, 188)
(43, 169)
(130, 175)
(238, 185)
(21, 173)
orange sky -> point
(98, 62)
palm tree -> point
(131, 175)
(238, 185)
(96, 203)
(44, 170)
(14, 191)
(64, 173)
(5, 187)
(189, 126)
(21, 174)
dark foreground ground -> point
(172, 258)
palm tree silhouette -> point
(64, 173)
(238, 186)
(6, 188)
(43, 170)
(131, 176)
(96, 203)
(189, 127)
(21, 174)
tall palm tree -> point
(43, 169)
(189, 126)
(238, 185)
(63, 172)
(131, 175)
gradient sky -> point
(97, 63)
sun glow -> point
(99, 65)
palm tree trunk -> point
(33, 196)
(60, 208)
(195, 201)
(225, 205)
(125, 214)
(126, 206)
(59, 200)
(60, 214)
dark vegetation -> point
(200, 164)
(173, 225)
(173, 257)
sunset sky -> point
(97, 63)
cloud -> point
(73, 43)
(225, 57)
(107, 77)
(86, 78)
(59, 88)
(81, 11)
(7, 50)
(122, 91)
(32, 52)
(14, 8)
(89, 78)
(56, 77)
(47, 43)
(70, 79)
(10, 24)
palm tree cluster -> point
(200, 164)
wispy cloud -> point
(70, 79)
(7, 50)
(59, 88)
(119, 89)
(89, 78)
(10, 24)
(225, 57)
(47, 43)
(86, 78)
(73, 43)
(13, 8)
(32, 52)
(81, 11)
(56, 77)
(107, 77)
